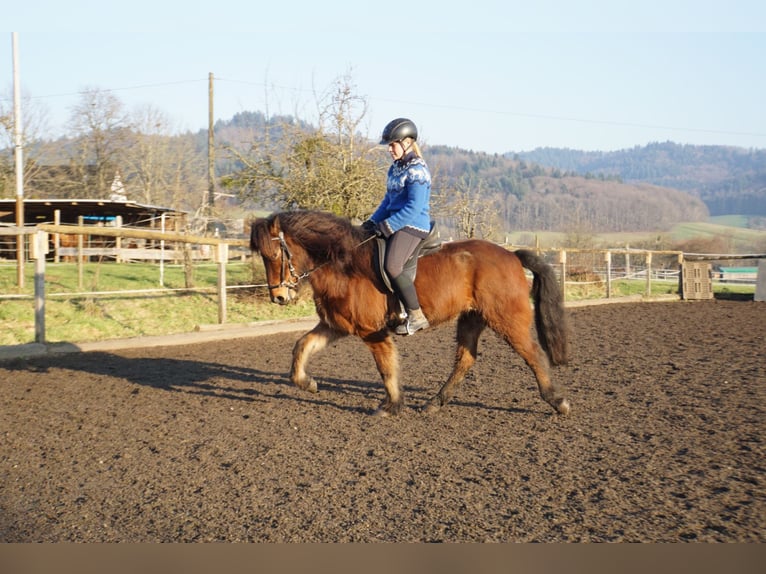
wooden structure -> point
(92, 211)
(99, 213)
(695, 280)
(39, 248)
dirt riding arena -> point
(209, 442)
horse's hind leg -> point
(534, 356)
(312, 342)
(469, 328)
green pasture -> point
(83, 308)
(732, 228)
(631, 287)
(731, 220)
(115, 300)
(120, 300)
(734, 235)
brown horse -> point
(479, 283)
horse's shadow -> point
(244, 383)
(205, 378)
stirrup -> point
(410, 327)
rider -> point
(403, 216)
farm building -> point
(69, 211)
(97, 212)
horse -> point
(477, 282)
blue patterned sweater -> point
(406, 204)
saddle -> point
(428, 245)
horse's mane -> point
(324, 236)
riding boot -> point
(415, 322)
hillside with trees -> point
(525, 195)
(729, 180)
(282, 162)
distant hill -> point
(521, 193)
(526, 195)
(648, 188)
(729, 180)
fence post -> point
(608, 258)
(40, 249)
(162, 251)
(80, 259)
(563, 261)
(118, 239)
(56, 236)
(648, 273)
(188, 267)
(223, 258)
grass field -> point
(126, 300)
(737, 236)
(110, 300)
(731, 220)
(732, 228)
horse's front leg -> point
(387, 360)
(309, 344)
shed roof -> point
(42, 210)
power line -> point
(529, 115)
(122, 89)
(573, 119)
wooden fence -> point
(603, 266)
(39, 245)
(578, 266)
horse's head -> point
(268, 238)
(295, 244)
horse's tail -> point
(550, 318)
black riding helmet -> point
(397, 130)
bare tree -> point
(100, 127)
(36, 148)
(474, 214)
(161, 168)
(146, 154)
(331, 168)
(6, 159)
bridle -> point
(286, 264)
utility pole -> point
(210, 147)
(18, 142)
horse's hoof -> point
(387, 409)
(563, 407)
(308, 384)
(431, 408)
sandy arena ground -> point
(209, 441)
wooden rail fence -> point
(39, 248)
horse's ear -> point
(262, 230)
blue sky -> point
(494, 76)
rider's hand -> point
(371, 227)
